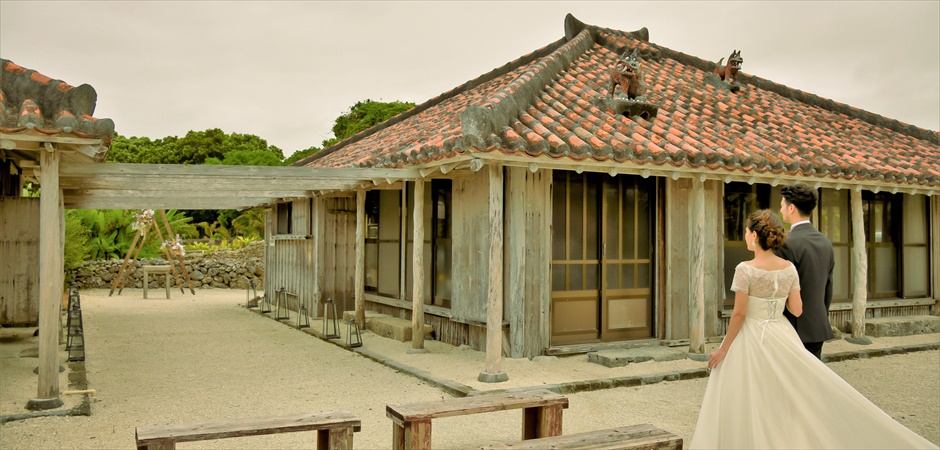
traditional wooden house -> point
(554, 216)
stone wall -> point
(220, 269)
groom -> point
(811, 252)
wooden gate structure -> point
(138, 243)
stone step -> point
(623, 357)
(901, 326)
(387, 326)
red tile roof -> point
(549, 103)
(33, 103)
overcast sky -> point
(285, 70)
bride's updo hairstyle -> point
(769, 229)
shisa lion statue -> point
(627, 74)
(729, 72)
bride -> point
(765, 389)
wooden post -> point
(360, 257)
(860, 262)
(317, 210)
(403, 243)
(51, 266)
(515, 243)
(935, 243)
(417, 293)
(494, 304)
(697, 268)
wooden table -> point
(541, 415)
(156, 270)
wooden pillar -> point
(860, 263)
(360, 257)
(417, 293)
(403, 243)
(697, 268)
(319, 253)
(934, 223)
(51, 266)
(515, 259)
(494, 304)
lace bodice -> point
(767, 289)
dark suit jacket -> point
(811, 252)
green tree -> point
(193, 148)
(364, 115)
(250, 224)
(301, 154)
(361, 116)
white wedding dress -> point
(770, 392)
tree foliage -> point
(361, 116)
(366, 114)
(194, 148)
(109, 233)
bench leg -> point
(335, 439)
(145, 283)
(412, 435)
(167, 446)
(167, 284)
(543, 421)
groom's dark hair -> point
(801, 196)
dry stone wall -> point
(232, 269)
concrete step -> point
(623, 357)
(901, 326)
(387, 326)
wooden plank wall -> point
(446, 330)
(528, 251)
(289, 259)
(470, 247)
(19, 260)
(678, 240)
(714, 254)
(678, 257)
(270, 266)
(935, 245)
(339, 260)
(842, 319)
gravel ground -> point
(202, 357)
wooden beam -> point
(51, 267)
(270, 173)
(204, 194)
(360, 258)
(142, 202)
(192, 184)
(417, 294)
(646, 170)
(51, 139)
(860, 263)
(494, 305)
(697, 268)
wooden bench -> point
(634, 437)
(165, 270)
(334, 430)
(541, 415)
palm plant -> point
(250, 224)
